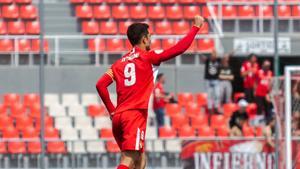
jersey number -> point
(129, 73)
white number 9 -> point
(129, 73)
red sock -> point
(122, 167)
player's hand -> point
(111, 115)
(199, 20)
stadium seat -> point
(179, 120)
(151, 133)
(69, 134)
(51, 133)
(89, 134)
(267, 11)
(30, 99)
(190, 11)
(180, 28)
(95, 45)
(172, 109)
(223, 131)
(248, 131)
(108, 27)
(23, 1)
(48, 122)
(24, 46)
(192, 110)
(163, 27)
(186, 131)
(120, 12)
(56, 147)
(10, 132)
(6, 45)
(16, 27)
(237, 96)
(204, 28)
(10, 99)
(174, 12)
(201, 99)
(10, 11)
(3, 27)
(70, 99)
(63, 122)
(185, 98)
(23, 121)
(89, 98)
(102, 122)
(17, 110)
(82, 122)
(123, 26)
(3, 149)
(186, 1)
(167, 132)
(246, 12)
(90, 27)
(95, 110)
(28, 12)
(168, 43)
(35, 45)
(156, 44)
(173, 146)
(114, 1)
(199, 121)
(218, 121)
(3, 110)
(251, 109)
(76, 111)
(77, 1)
(112, 147)
(51, 99)
(229, 109)
(6, 1)
(102, 11)
(5, 121)
(149, 1)
(115, 45)
(156, 12)
(95, 147)
(168, 1)
(131, 1)
(229, 12)
(84, 11)
(206, 45)
(34, 147)
(284, 11)
(35, 111)
(138, 12)
(259, 132)
(206, 12)
(296, 11)
(206, 131)
(106, 133)
(77, 147)
(30, 132)
(16, 147)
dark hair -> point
(251, 55)
(136, 31)
(159, 76)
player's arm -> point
(180, 47)
(101, 86)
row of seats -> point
(14, 11)
(15, 1)
(24, 46)
(115, 45)
(178, 12)
(19, 27)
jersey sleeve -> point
(110, 73)
(156, 57)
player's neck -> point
(142, 47)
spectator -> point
(296, 97)
(238, 119)
(269, 131)
(212, 82)
(226, 77)
(263, 86)
(296, 124)
(249, 70)
(160, 99)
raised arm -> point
(101, 87)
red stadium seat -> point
(168, 1)
(199, 121)
(206, 45)
(48, 122)
(3, 149)
(178, 120)
(16, 27)
(284, 11)
(77, 1)
(23, 1)
(259, 132)
(5, 121)
(108, 27)
(149, 1)
(246, 11)
(251, 109)
(156, 12)
(112, 147)
(90, 27)
(138, 12)
(229, 12)
(30, 99)
(190, 11)
(11, 99)
(6, 1)
(167, 132)
(102, 12)
(10, 132)
(24, 46)
(155, 44)
(56, 148)
(28, 12)
(229, 109)
(248, 131)
(115, 45)
(204, 28)
(96, 45)
(192, 110)
(207, 13)
(16, 147)
(32, 27)
(17, 110)
(10, 11)
(202, 99)
(172, 109)
(151, 26)
(120, 12)
(206, 131)
(23, 121)
(35, 45)
(296, 11)
(186, 1)
(51, 133)
(174, 12)
(84, 11)
(218, 121)
(6, 45)
(34, 147)
(180, 28)
(2, 110)
(186, 131)
(123, 26)
(223, 131)
(267, 11)
(237, 96)
(96, 110)
(3, 27)
(114, 1)
(168, 43)
(131, 1)
(30, 132)
(185, 98)
(106, 133)
(35, 111)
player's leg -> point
(129, 159)
(141, 162)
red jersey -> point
(263, 82)
(158, 102)
(250, 78)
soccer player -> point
(134, 75)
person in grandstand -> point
(263, 88)
(160, 98)
(269, 131)
(296, 97)
(238, 119)
(134, 75)
(226, 77)
(249, 71)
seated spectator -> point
(269, 131)
(238, 119)
(296, 124)
(296, 97)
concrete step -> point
(71, 59)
